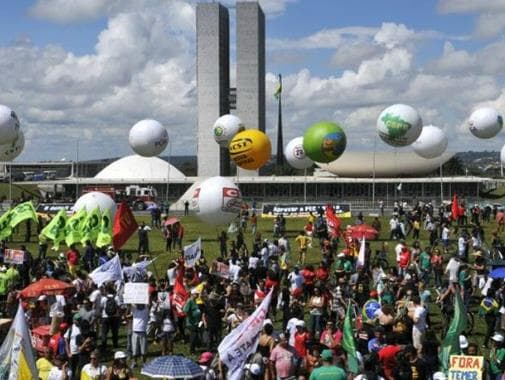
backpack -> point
(110, 307)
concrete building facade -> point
(251, 67)
(213, 77)
(213, 84)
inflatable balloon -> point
(94, 199)
(485, 123)
(502, 155)
(9, 152)
(148, 138)
(225, 128)
(324, 141)
(250, 149)
(216, 201)
(431, 143)
(295, 155)
(9, 125)
(399, 125)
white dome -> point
(140, 168)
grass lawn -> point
(194, 229)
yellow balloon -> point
(250, 149)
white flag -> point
(242, 341)
(16, 354)
(361, 255)
(110, 271)
(399, 187)
(192, 253)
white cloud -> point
(69, 11)
(491, 19)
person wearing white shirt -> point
(140, 318)
(453, 268)
(94, 370)
(398, 250)
(172, 274)
(111, 320)
(234, 271)
(295, 279)
(445, 235)
(253, 262)
(60, 371)
(419, 319)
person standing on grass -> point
(302, 241)
(140, 317)
(143, 235)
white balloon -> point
(431, 143)
(94, 199)
(216, 201)
(485, 123)
(9, 125)
(148, 138)
(9, 152)
(295, 155)
(399, 125)
(502, 155)
(225, 128)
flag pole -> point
(441, 185)
(280, 156)
(305, 185)
(373, 172)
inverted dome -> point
(140, 168)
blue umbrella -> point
(497, 273)
(172, 367)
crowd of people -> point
(315, 278)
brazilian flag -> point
(74, 227)
(55, 229)
(105, 234)
(91, 226)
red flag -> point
(124, 226)
(455, 208)
(332, 220)
(181, 295)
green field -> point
(194, 229)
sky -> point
(82, 72)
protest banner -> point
(465, 367)
(136, 293)
(14, 256)
(301, 210)
(242, 341)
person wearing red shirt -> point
(330, 337)
(73, 257)
(404, 261)
(308, 280)
(260, 293)
(322, 273)
(387, 356)
(302, 338)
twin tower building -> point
(215, 96)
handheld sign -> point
(465, 367)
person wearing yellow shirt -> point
(44, 364)
(302, 241)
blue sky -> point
(90, 69)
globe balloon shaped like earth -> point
(324, 141)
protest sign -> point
(14, 256)
(192, 253)
(136, 293)
(466, 367)
(221, 269)
(301, 210)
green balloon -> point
(324, 141)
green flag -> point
(450, 344)
(22, 212)
(348, 343)
(91, 226)
(5, 225)
(55, 229)
(74, 227)
(105, 234)
(278, 90)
